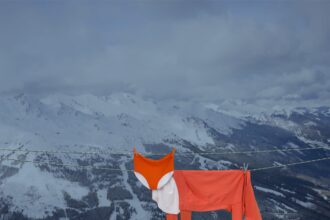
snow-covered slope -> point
(119, 121)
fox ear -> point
(134, 150)
(174, 149)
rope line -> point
(150, 154)
(66, 165)
(280, 213)
(263, 151)
(130, 170)
(290, 164)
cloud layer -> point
(272, 50)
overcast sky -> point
(183, 49)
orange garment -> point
(153, 174)
(210, 190)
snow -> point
(304, 204)
(135, 202)
(37, 192)
(262, 189)
(314, 143)
(286, 190)
(102, 197)
(321, 193)
(114, 121)
(189, 129)
(291, 145)
(207, 164)
(281, 209)
(117, 122)
(117, 103)
(310, 123)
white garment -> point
(161, 182)
(167, 197)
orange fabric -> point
(171, 217)
(153, 170)
(204, 190)
(184, 215)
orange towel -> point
(203, 190)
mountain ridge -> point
(120, 121)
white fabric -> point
(141, 178)
(162, 182)
(167, 197)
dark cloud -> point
(182, 49)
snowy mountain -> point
(117, 122)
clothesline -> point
(151, 154)
(65, 165)
(46, 162)
(114, 169)
(280, 213)
(290, 164)
(130, 170)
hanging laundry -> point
(185, 191)
(211, 190)
(167, 197)
(153, 174)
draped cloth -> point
(211, 190)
